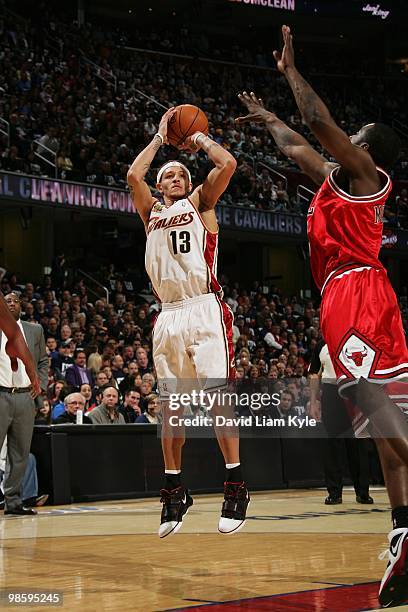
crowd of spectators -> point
(100, 354)
(93, 127)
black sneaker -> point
(233, 513)
(175, 505)
(331, 500)
(364, 499)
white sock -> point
(230, 466)
(175, 471)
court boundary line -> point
(259, 597)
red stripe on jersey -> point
(155, 295)
(210, 253)
(398, 372)
(338, 271)
(369, 198)
(227, 319)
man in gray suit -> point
(17, 406)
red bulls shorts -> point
(361, 323)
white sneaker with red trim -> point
(394, 585)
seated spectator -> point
(128, 354)
(270, 335)
(96, 398)
(146, 390)
(107, 412)
(94, 362)
(78, 373)
(245, 364)
(149, 378)
(142, 361)
(129, 382)
(86, 391)
(239, 373)
(63, 361)
(285, 408)
(52, 347)
(43, 413)
(64, 164)
(48, 144)
(59, 407)
(111, 380)
(117, 364)
(130, 409)
(72, 403)
(152, 414)
(55, 390)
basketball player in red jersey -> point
(360, 318)
(193, 333)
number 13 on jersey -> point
(180, 242)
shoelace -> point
(165, 495)
(384, 553)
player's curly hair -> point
(384, 144)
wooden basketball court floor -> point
(294, 554)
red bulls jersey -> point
(345, 229)
(181, 253)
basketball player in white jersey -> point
(193, 333)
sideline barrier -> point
(88, 463)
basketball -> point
(187, 120)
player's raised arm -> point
(354, 159)
(219, 177)
(142, 198)
(292, 144)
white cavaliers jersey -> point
(181, 253)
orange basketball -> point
(187, 120)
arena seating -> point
(84, 101)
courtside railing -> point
(97, 283)
(47, 155)
(304, 193)
(5, 129)
(106, 75)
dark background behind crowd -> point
(82, 99)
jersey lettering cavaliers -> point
(344, 229)
(181, 253)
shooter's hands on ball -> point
(257, 111)
(286, 59)
(164, 123)
(190, 144)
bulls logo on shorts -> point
(357, 356)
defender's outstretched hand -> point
(257, 111)
(164, 121)
(286, 59)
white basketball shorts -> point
(192, 340)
